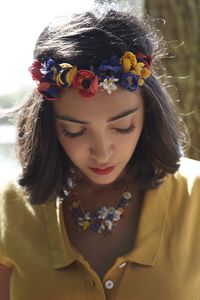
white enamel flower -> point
(127, 195)
(109, 84)
(103, 212)
(116, 216)
(109, 224)
(80, 221)
(87, 216)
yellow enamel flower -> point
(140, 81)
(86, 224)
(120, 210)
(128, 61)
(76, 204)
(138, 68)
(145, 73)
(130, 64)
(58, 79)
(69, 77)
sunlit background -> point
(20, 24)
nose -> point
(101, 149)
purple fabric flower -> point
(129, 81)
(49, 90)
(107, 71)
(49, 69)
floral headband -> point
(129, 72)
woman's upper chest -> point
(101, 250)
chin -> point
(103, 182)
(103, 179)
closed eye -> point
(127, 130)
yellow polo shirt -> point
(163, 265)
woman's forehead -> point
(72, 102)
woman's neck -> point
(83, 182)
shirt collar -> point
(62, 252)
(149, 234)
(151, 224)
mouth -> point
(103, 171)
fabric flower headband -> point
(129, 72)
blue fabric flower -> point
(129, 81)
(107, 71)
(52, 92)
(49, 70)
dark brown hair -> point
(84, 40)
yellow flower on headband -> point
(137, 69)
(66, 76)
(129, 72)
(145, 73)
(71, 75)
(128, 61)
(130, 64)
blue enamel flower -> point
(129, 81)
(107, 72)
(49, 70)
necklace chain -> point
(102, 220)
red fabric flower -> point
(146, 59)
(35, 70)
(86, 82)
(49, 90)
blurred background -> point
(22, 21)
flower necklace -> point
(102, 220)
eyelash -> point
(80, 133)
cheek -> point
(125, 144)
(72, 148)
(131, 142)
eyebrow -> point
(114, 118)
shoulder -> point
(188, 175)
(14, 202)
(11, 196)
(16, 212)
(22, 225)
(183, 190)
(189, 167)
(19, 220)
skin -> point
(101, 144)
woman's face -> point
(99, 132)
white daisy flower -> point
(109, 84)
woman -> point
(105, 207)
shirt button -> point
(122, 265)
(109, 284)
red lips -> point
(103, 171)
